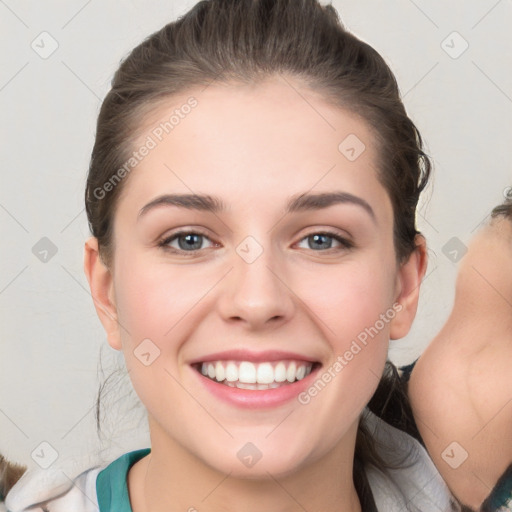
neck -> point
(171, 478)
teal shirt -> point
(111, 483)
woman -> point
(252, 195)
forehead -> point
(248, 142)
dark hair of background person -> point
(247, 42)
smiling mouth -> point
(256, 376)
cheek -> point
(140, 303)
(356, 311)
(152, 301)
(355, 306)
(348, 298)
(152, 297)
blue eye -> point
(320, 240)
(192, 241)
(188, 241)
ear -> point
(409, 278)
(102, 291)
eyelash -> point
(164, 244)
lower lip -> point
(257, 398)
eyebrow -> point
(297, 203)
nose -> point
(256, 293)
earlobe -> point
(409, 279)
(102, 291)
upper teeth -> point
(261, 373)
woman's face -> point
(256, 278)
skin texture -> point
(253, 146)
(461, 387)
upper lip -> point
(256, 357)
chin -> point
(252, 463)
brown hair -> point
(247, 41)
(504, 209)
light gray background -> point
(50, 334)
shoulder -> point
(412, 481)
(459, 393)
(77, 486)
(57, 490)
